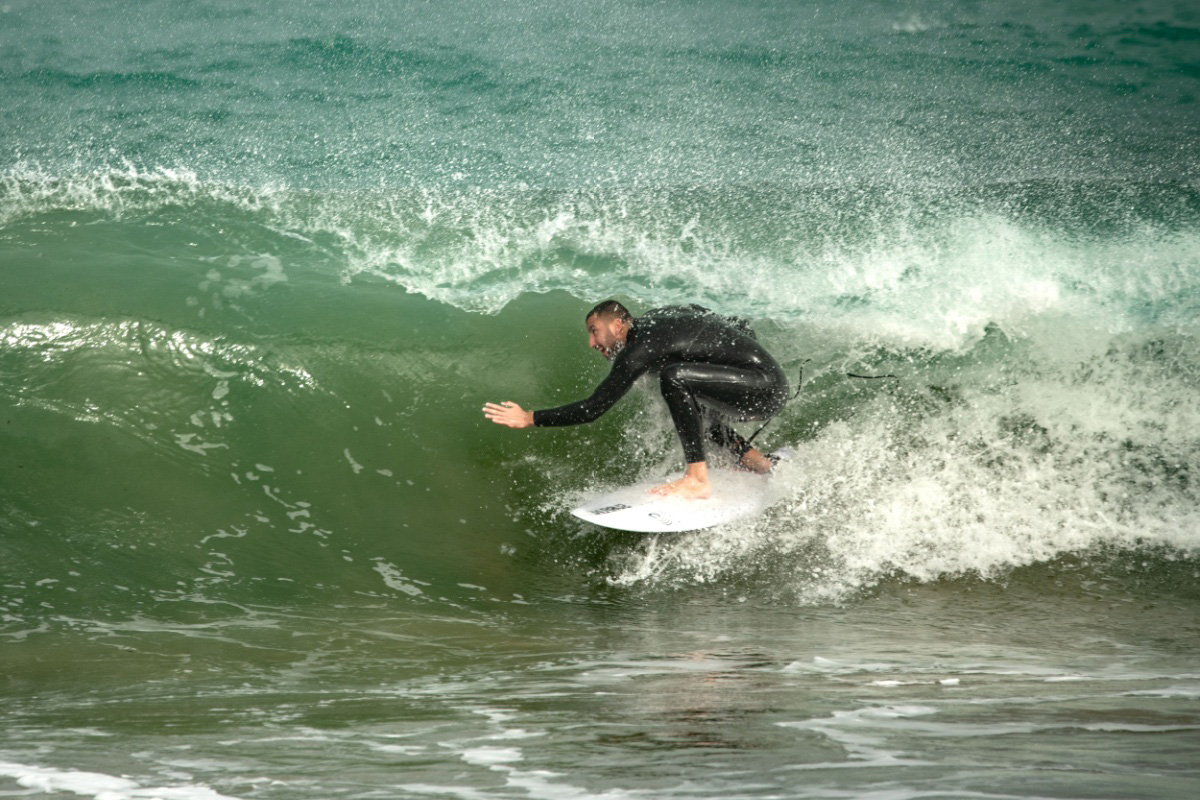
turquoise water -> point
(262, 263)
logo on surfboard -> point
(610, 509)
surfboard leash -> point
(800, 385)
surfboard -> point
(736, 495)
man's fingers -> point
(507, 413)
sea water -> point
(261, 264)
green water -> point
(262, 264)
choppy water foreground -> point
(1053, 685)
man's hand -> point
(508, 413)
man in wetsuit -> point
(704, 362)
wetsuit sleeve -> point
(624, 372)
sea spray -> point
(969, 466)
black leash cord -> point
(799, 385)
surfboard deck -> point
(736, 495)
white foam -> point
(101, 786)
(119, 191)
(862, 733)
(272, 272)
(490, 756)
(960, 474)
(394, 578)
(1190, 692)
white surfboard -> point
(736, 495)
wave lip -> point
(926, 266)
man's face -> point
(606, 335)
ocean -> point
(262, 263)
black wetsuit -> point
(704, 362)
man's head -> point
(608, 326)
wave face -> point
(245, 345)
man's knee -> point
(673, 383)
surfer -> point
(707, 364)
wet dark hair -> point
(609, 308)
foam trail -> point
(99, 785)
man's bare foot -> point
(687, 487)
(755, 461)
(692, 486)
